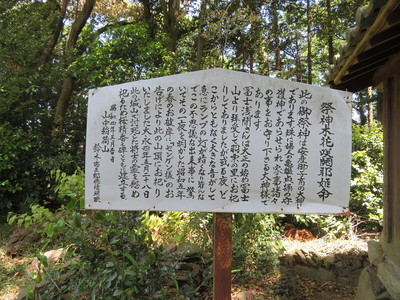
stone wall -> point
(342, 267)
(381, 278)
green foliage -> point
(70, 188)
(14, 174)
(25, 171)
(319, 225)
(256, 245)
(133, 45)
(256, 237)
(116, 258)
(178, 227)
(367, 175)
(117, 254)
(108, 254)
(38, 215)
(124, 54)
(366, 195)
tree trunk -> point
(309, 41)
(359, 106)
(275, 30)
(201, 38)
(58, 27)
(330, 32)
(370, 107)
(63, 100)
(363, 117)
(255, 40)
(171, 14)
(148, 17)
(298, 62)
(66, 89)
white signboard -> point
(218, 141)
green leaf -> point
(49, 229)
(131, 259)
(44, 261)
(11, 218)
(77, 219)
(152, 257)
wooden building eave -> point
(370, 45)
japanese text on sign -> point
(218, 141)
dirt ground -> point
(282, 284)
(303, 290)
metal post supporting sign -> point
(222, 256)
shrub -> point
(366, 199)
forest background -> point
(53, 51)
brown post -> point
(391, 128)
(222, 256)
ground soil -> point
(283, 284)
(280, 284)
(304, 290)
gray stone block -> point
(375, 252)
(389, 275)
(364, 290)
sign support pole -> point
(222, 256)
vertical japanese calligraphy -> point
(218, 140)
(304, 133)
(326, 159)
(96, 173)
(135, 169)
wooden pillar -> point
(222, 256)
(391, 128)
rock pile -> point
(381, 278)
(189, 268)
(188, 260)
(342, 267)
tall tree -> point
(54, 50)
(201, 36)
(171, 15)
(309, 43)
(330, 31)
(69, 56)
(276, 34)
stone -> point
(329, 260)
(356, 263)
(389, 275)
(376, 284)
(311, 262)
(316, 258)
(189, 249)
(20, 240)
(384, 296)
(364, 290)
(349, 279)
(288, 261)
(243, 295)
(186, 271)
(375, 252)
(325, 275)
(300, 257)
(170, 248)
(54, 255)
(339, 264)
(319, 274)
